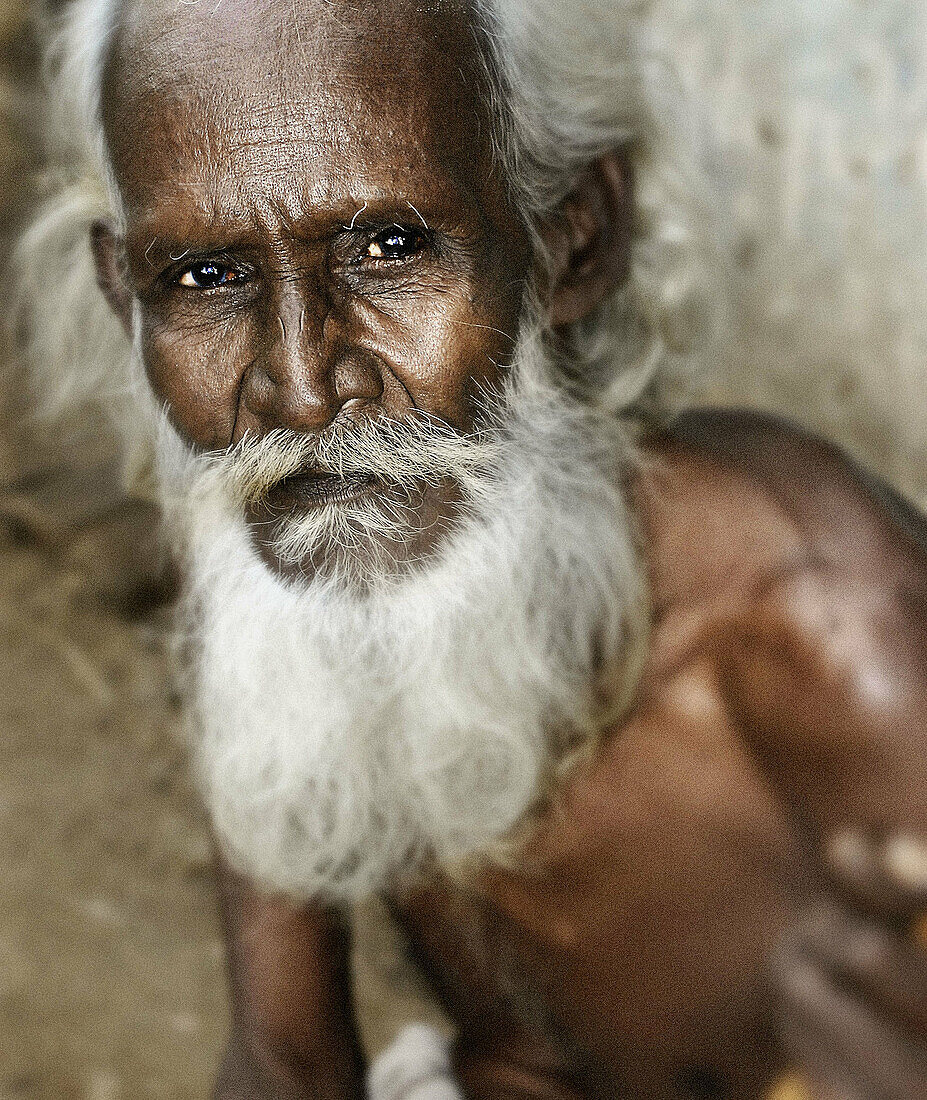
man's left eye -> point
(395, 244)
(208, 275)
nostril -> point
(357, 382)
(354, 404)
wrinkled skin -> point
(267, 158)
(315, 230)
(783, 704)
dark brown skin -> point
(289, 1023)
(784, 702)
(633, 949)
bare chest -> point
(626, 951)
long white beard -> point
(342, 739)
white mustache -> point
(402, 453)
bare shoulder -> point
(833, 500)
(812, 605)
(734, 499)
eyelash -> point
(237, 275)
(421, 239)
(373, 235)
(173, 277)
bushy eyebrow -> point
(239, 232)
(415, 208)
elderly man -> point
(604, 706)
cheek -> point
(197, 374)
(450, 350)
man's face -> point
(314, 230)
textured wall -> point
(810, 119)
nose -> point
(308, 370)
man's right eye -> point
(208, 275)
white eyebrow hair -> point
(357, 214)
(420, 216)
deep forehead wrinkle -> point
(161, 40)
(241, 89)
(410, 66)
(216, 218)
(223, 177)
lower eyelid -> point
(415, 254)
(238, 277)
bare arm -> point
(293, 1032)
(829, 679)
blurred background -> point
(808, 119)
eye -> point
(395, 243)
(208, 275)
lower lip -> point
(308, 490)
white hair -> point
(574, 81)
(487, 669)
(569, 81)
(779, 161)
(343, 739)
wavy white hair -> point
(569, 81)
(319, 780)
(341, 739)
(777, 149)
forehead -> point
(328, 98)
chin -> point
(445, 652)
(363, 534)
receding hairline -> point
(158, 47)
(154, 30)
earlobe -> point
(589, 237)
(104, 245)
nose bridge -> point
(298, 357)
(311, 360)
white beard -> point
(340, 739)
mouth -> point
(312, 489)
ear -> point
(588, 239)
(111, 278)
